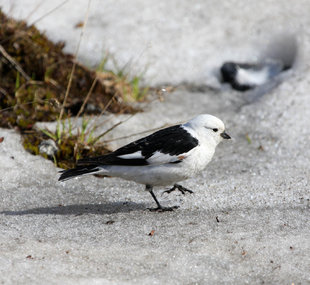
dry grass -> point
(39, 82)
(34, 74)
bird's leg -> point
(159, 208)
(180, 188)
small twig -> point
(26, 103)
(87, 97)
(33, 11)
(4, 92)
(107, 105)
(48, 13)
(112, 128)
(93, 123)
(102, 112)
(136, 134)
(74, 64)
(22, 104)
(14, 63)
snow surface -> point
(165, 40)
(248, 221)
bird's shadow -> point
(77, 210)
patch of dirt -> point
(34, 74)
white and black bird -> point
(245, 76)
(274, 60)
(163, 158)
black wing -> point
(163, 146)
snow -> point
(163, 40)
(248, 221)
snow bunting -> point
(244, 76)
(163, 158)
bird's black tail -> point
(79, 170)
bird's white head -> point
(208, 127)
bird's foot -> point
(180, 188)
(159, 208)
(163, 209)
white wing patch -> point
(162, 158)
(134, 155)
(252, 77)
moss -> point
(34, 91)
(49, 69)
(69, 148)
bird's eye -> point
(215, 130)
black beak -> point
(225, 136)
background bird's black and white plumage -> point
(165, 157)
(280, 55)
(245, 76)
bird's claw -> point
(180, 188)
(163, 209)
